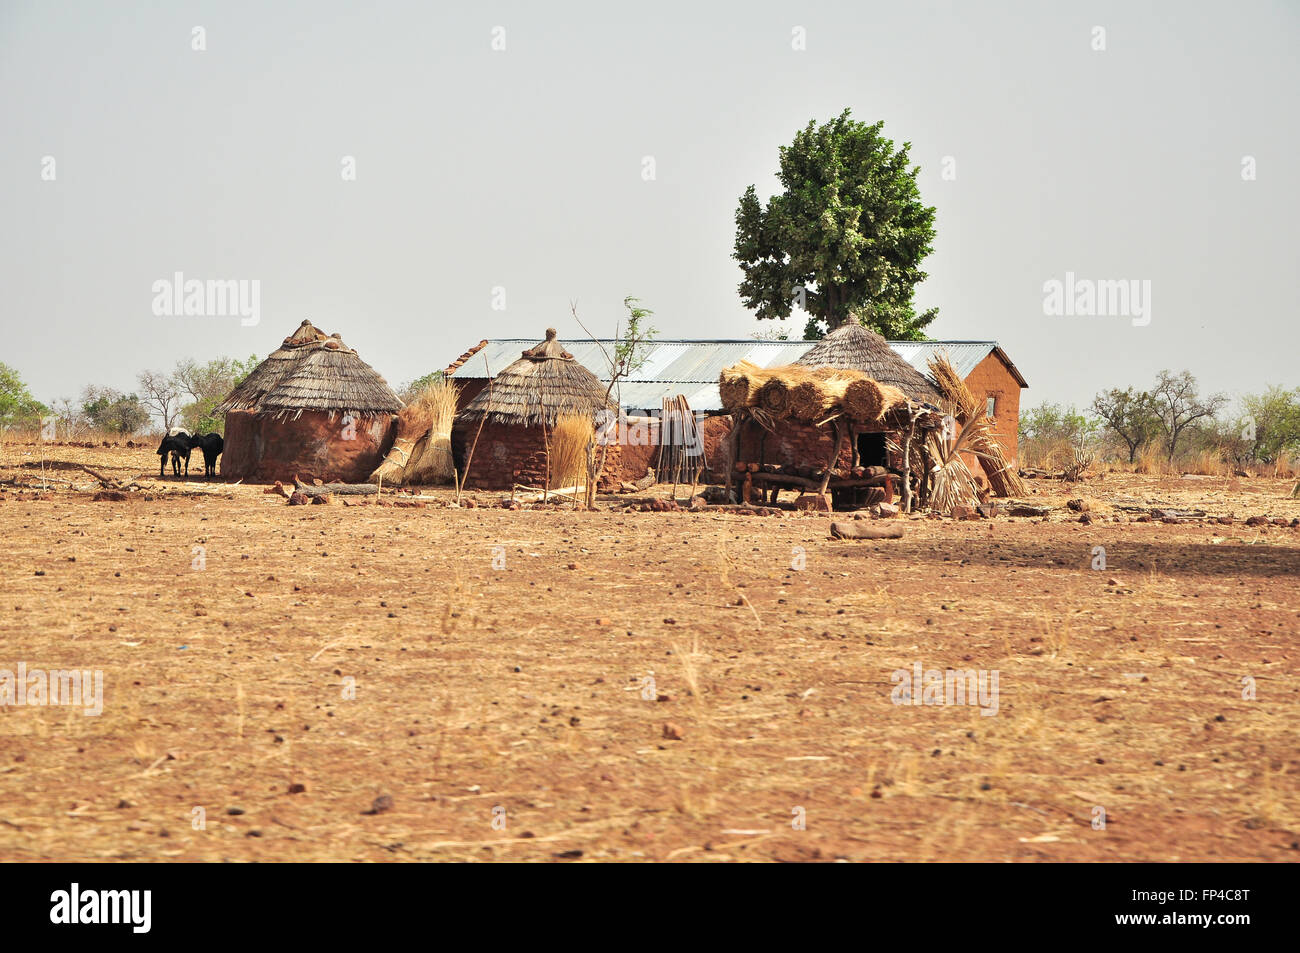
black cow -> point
(211, 444)
(178, 445)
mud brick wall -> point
(798, 444)
(636, 459)
(990, 378)
(506, 454)
(467, 389)
(262, 448)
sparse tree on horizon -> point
(1179, 405)
(1130, 414)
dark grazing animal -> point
(178, 445)
(211, 444)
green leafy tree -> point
(411, 389)
(206, 385)
(109, 409)
(630, 353)
(1273, 419)
(1130, 414)
(844, 240)
(17, 405)
(1056, 423)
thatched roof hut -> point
(312, 370)
(543, 384)
(855, 347)
(509, 421)
(312, 409)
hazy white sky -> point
(522, 169)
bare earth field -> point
(499, 712)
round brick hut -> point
(313, 410)
(507, 422)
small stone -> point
(673, 732)
(381, 805)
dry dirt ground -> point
(364, 683)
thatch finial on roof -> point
(550, 349)
(543, 384)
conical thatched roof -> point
(862, 349)
(312, 370)
(544, 383)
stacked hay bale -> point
(807, 394)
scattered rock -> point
(673, 732)
(860, 530)
(110, 496)
(1027, 511)
(817, 502)
(381, 805)
(1078, 506)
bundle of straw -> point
(983, 441)
(890, 397)
(566, 450)
(421, 452)
(811, 400)
(863, 400)
(774, 396)
(738, 385)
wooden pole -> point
(907, 459)
(733, 442)
(835, 454)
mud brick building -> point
(313, 409)
(691, 368)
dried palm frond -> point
(953, 485)
(983, 440)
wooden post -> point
(733, 443)
(907, 459)
(835, 455)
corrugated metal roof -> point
(691, 368)
(964, 355)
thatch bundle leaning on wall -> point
(421, 452)
(566, 450)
